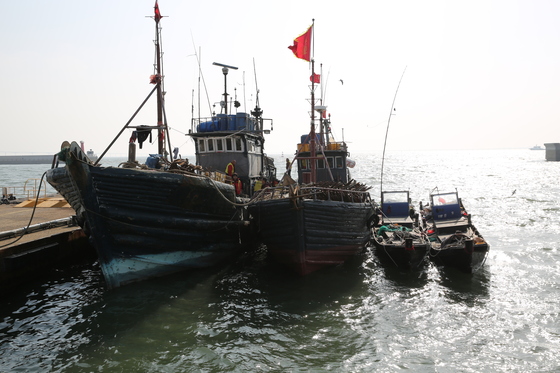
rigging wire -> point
(200, 75)
(387, 131)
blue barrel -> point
(209, 126)
(242, 119)
(222, 122)
(231, 122)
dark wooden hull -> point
(397, 255)
(307, 235)
(147, 223)
(460, 257)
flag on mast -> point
(315, 78)
(302, 45)
(156, 12)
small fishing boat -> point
(167, 215)
(455, 241)
(398, 238)
(322, 219)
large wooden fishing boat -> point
(455, 241)
(322, 219)
(165, 216)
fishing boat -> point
(398, 237)
(455, 241)
(167, 215)
(322, 219)
(536, 147)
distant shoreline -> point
(26, 159)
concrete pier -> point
(52, 241)
(552, 151)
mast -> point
(160, 133)
(312, 131)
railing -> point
(315, 193)
(330, 146)
(29, 190)
(230, 122)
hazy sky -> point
(479, 74)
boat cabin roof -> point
(446, 206)
(395, 206)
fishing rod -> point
(387, 131)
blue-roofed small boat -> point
(167, 215)
(398, 238)
(455, 241)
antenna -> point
(226, 66)
(225, 69)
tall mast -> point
(312, 131)
(160, 132)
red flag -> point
(315, 78)
(156, 12)
(302, 45)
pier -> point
(51, 240)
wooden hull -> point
(460, 257)
(307, 235)
(146, 223)
(397, 255)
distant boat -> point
(165, 216)
(537, 147)
(91, 155)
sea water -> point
(251, 315)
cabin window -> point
(210, 145)
(320, 163)
(303, 164)
(219, 145)
(201, 146)
(330, 161)
(339, 162)
(229, 144)
(238, 145)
